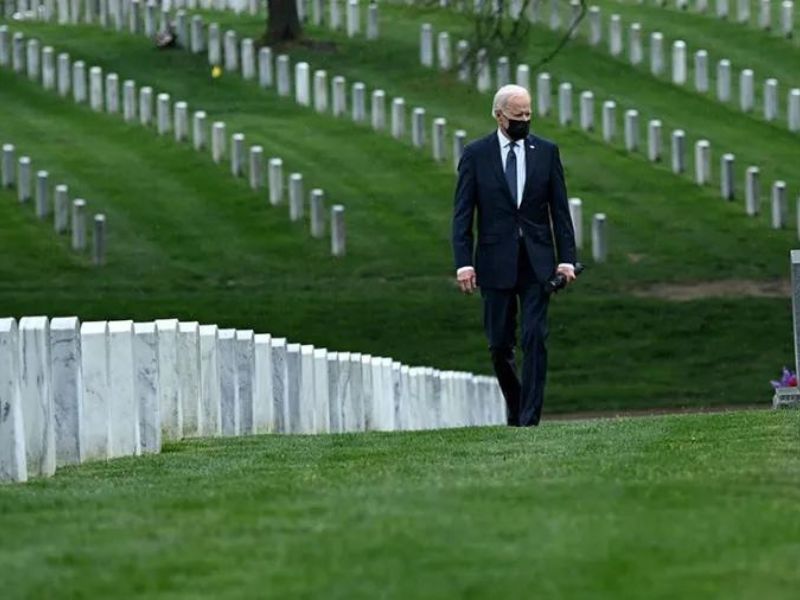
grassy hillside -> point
(187, 239)
(690, 507)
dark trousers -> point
(500, 307)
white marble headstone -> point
(95, 414)
(293, 383)
(321, 391)
(263, 417)
(307, 404)
(13, 465)
(353, 401)
(245, 365)
(189, 377)
(122, 402)
(37, 396)
(146, 385)
(210, 398)
(344, 390)
(65, 358)
(168, 385)
(229, 386)
(280, 390)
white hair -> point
(505, 93)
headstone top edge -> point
(94, 327)
(164, 324)
(148, 327)
(33, 323)
(188, 326)
(59, 323)
(120, 327)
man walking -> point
(515, 183)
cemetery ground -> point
(189, 241)
(694, 506)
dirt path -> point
(726, 288)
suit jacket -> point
(482, 187)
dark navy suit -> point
(515, 255)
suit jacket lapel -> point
(497, 167)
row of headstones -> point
(139, 14)
(338, 15)
(241, 57)
(655, 153)
(253, 63)
(762, 18)
(18, 173)
(105, 95)
(534, 12)
(106, 12)
(679, 72)
(543, 99)
(76, 392)
(636, 53)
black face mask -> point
(518, 130)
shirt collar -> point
(504, 141)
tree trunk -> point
(283, 24)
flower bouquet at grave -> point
(787, 394)
(788, 379)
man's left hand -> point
(568, 271)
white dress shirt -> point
(518, 147)
(506, 146)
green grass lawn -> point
(187, 240)
(701, 506)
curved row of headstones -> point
(252, 63)
(76, 392)
(764, 16)
(313, 87)
(678, 71)
(241, 57)
(68, 216)
(103, 95)
(344, 15)
(229, 54)
(543, 99)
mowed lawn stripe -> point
(694, 506)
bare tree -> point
(502, 27)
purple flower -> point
(788, 379)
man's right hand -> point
(467, 280)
